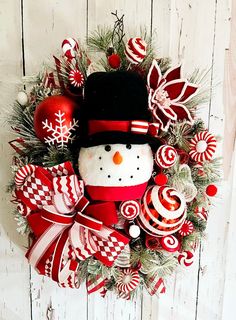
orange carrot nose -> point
(117, 158)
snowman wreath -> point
(113, 171)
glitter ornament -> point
(211, 190)
(202, 146)
(135, 50)
(114, 61)
(163, 211)
(128, 280)
(134, 231)
(22, 98)
(170, 243)
(56, 121)
(161, 179)
(76, 78)
(186, 258)
(166, 156)
(186, 229)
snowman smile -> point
(116, 165)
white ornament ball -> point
(134, 231)
(22, 98)
(201, 146)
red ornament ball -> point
(211, 190)
(56, 121)
(114, 61)
(161, 179)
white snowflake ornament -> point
(56, 121)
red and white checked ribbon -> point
(60, 227)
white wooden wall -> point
(194, 32)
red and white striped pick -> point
(155, 285)
(95, 283)
(201, 212)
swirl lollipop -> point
(166, 156)
(170, 243)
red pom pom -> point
(211, 190)
(161, 179)
(114, 61)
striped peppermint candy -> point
(202, 146)
(186, 258)
(76, 78)
(202, 213)
(130, 209)
(69, 47)
(128, 280)
(23, 173)
(186, 229)
(135, 50)
(166, 156)
(170, 243)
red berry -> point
(211, 190)
(114, 61)
(161, 179)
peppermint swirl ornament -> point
(166, 156)
(186, 258)
(135, 50)
(163, 211)
(186, 229)
(69, 47)
(130, 209)
(76, 78)
(202, 146)
(128, 280)
(170, 243)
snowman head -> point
(116, 171)
(115, 160)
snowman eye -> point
(128, 146)
(108, 148)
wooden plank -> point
(137, 14)
(46, 25)
(230, 168)
(184, 40)
(213, 256)
(14, 271)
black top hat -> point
(111, 100)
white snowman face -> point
(116, 165)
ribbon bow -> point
(66, 228)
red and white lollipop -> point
(186, 258)
(127, 280)
(202, 146)
(166, 156)
(170, 243)
(130, 209)
(69, 47)
(135, 50)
